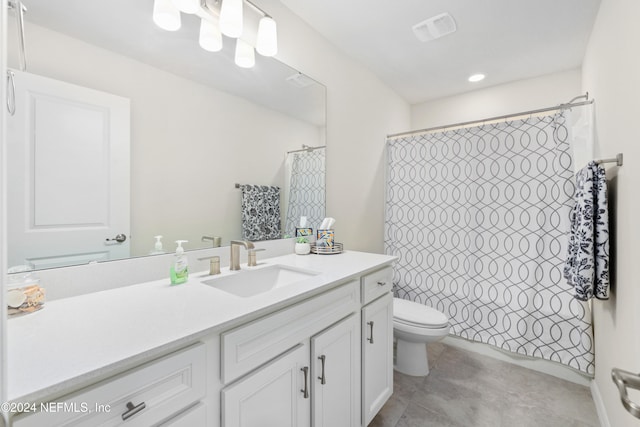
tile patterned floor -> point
(466, 389)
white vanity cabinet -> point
(335, 374)
(275, 395)
(377, 342)
(322, 358)
(315, 381)
(164, 390)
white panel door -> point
(276, 395)
(336, 375)
(377, 355)
(68, 174)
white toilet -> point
(414, 326)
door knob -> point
(119, 238)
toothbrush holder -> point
(304, 232)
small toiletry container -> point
(24, 293)
(325, 238)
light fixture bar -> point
(223, 17)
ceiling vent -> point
(300, 81)
(434, 27)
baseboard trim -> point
(600, 409)
(540, 365)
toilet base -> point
(411, 358)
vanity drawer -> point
(376, 284)
(253, 344)
(162, 388)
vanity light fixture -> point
(476, 78)
(245, 55)
(166, 15)
(267, 42)
(223, 17)
(210, 36)
(231, 18)
(187, 6)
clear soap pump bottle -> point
(179, 271)
(157, 247)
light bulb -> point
(166, 15)
(245, 55)
(210, 36)
(267, 42)
(231, 18)
(187, 6)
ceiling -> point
(506, 40)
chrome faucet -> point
(215, 240)
(234, 263)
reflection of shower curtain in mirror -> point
(305, 175)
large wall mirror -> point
(192, 125)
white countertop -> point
(73, 340)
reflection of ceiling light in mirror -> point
(267, 42)
(166, 15)
(187, 6)
(231, 18)
(300, 81)
(210, 36)
(476, 78)
(245, 55)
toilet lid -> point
(418, 314)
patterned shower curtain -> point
(306, 189)
(479, 218)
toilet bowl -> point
(414, 326)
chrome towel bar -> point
(624, 379)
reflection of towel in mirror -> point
(260, 212)
(587, 266)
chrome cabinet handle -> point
(132, 410)
(119, 238)
(11, 93)
(321, 377)
(381, 283)
(370, 339)
(624, 379)
(305, 390)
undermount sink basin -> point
(247, 283)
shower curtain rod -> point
(569, 104)
(307, 148)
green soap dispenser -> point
(180, 267)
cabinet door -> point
(192, 417)
(336, 375)
(377, 355)
(275, 395)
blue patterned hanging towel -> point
(587, 266)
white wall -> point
(522, 95)
(611, 72)
(361, 111)
(189, 143)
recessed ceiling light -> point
(476, 77)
